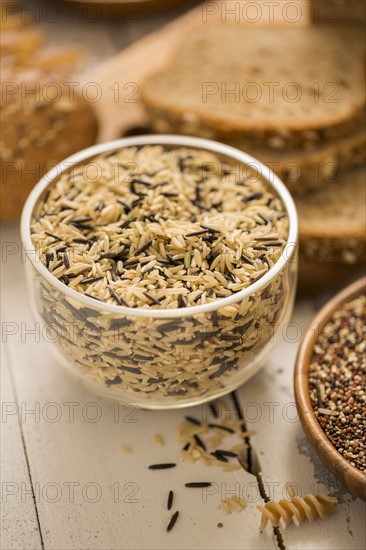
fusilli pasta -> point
(297, 508)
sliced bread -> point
(302, 171)
(287, 88)
(43, 122)
(338, 11)
(333, 221)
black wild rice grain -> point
(156, 380)
(66, 261)
(136, 202)
(164, 466)
(130, 369)
(201, 206)
(246, 259)
(126, 206)
(210, 229)
(186, 447)
(226, 453)
(263, 218)
(138, 357)
(161, 184)
(144, 247)
(151, 298)
(80, 241)
(213, 408)
(274, 243)
(81, 220)
(115, 296)
(172, 521)
(152, 174)
(197, 233)
(46, 196)
(182, 301)
(220, 457)
(91, 280)
(170, 500)
(253, 197)
(131, 263)
(199, 442)
(125, 224)
(121, 256)
(141, 182)
(116, 380)
(198, 484)
(171, 259)
(181, 162)
(225, 428)
(80, 225)
(107, 256)
(56, 237)
(166, 327)
(100, 206)
(198, 297)
(193, 420)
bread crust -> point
(43, 120)
(175, 100)
(333, 221)
(36, 136)
(305, 171)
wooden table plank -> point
(79, 452)
(75, 466)
(82, 452)
(285, 455)
(19, 522)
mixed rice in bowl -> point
(165, 266)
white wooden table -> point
(66, 486)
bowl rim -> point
(175, 141)
(349, 475)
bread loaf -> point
(338, 11)
(43, 120)
(333, 221)
(262, 85)
(302, 171)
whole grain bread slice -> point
(278, 88)
(305, 170)
(338, 11)
(43, 122)
(333, 221)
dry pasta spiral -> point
(297, 508)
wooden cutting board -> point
(119, 79)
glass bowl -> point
(164, 358)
